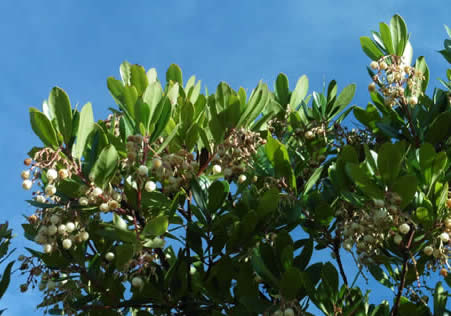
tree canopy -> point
(183, 202)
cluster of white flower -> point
(171, 170)
(53, 231)
(106, 200)
(108, 124)
(369, 228)
(393, 77)
(234, 155)
(440, 247)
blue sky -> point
(78, 44)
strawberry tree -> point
(189, 203)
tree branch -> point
(394, 311)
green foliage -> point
(183, 202)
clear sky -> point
(78, 44)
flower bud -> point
(413, 100)
(50, 190)
(61, 229)
(47, 248)
(374, 65)
(309, 135)
(371, 87)
(137, 282)
(83, 201)
(40, 199)
(383, 65)
(27, 184)
(25, 174)
(404, 228)
(288, 312)
(113, 204)
(241, 179)
(397, 239)
(444, 272)
(143, 171)
(63, 174)
(70, 227)
(447, 222)
(54, 219)
(379, 203)
(67, 243)
(150, 186)
(52, 230)
(97, 192)
(52, 174)
(217, 169)
(444, 237)
(428, 250)
(84, 236)
(109, 256)
(27, 162)
(104, 207)
(157, 163)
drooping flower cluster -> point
(369, 228)
(399, 83)
(234, 155)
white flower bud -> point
(379, 203)
(444, 237)
(192, 270)
(70, 227)
(104, 207)
(143, 171)
(383, 65)
(109, 256)
(61, 229)
(428, 250)
(374, 65)
(447, 222)
(27, 184)
(404, 228)
(84, 236)
(157, 163)
(54, 219)
(40, 199)
(309, 135)
(397, 239)
(241, 179)
(52, 230)
(113, 204)
(216, 169)
(150, 186)
(228, 172)
(97, 191)
(168, 256)
(50, 190)
(412, 100)
(436, 253)
(67, 243)
(117, 196)
(25, 174)
(288, 312)
(83, 201)
(63, 174)
(47, 248)
(52, 174)
(137, 282)
(371, 87)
